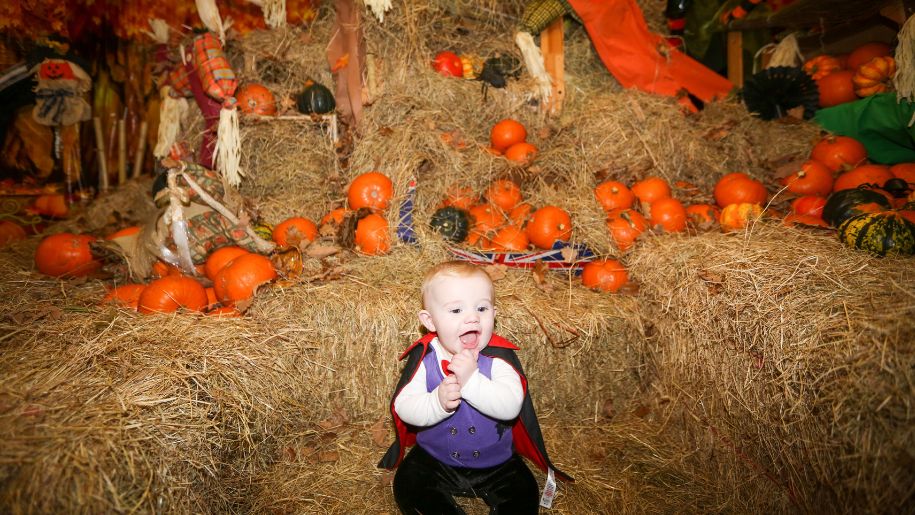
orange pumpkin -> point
(66, 255)
(738, 216)
(486, 217)
(241, 278)
(510, 238)
(821, 66)
(171, 293)
(126, 295)
(220, 258)
(373, 236)
(839, 152)
(212, 301)
(904, 171)
(795, 219)
(739, 188)
(650, 189)
(874, 76)
(625, 225)
(605, 275)
(837, 88)
(506, 133)
(127, 231)
(334, 217)
(521, 153)
(52, 205)
(462, 197)
(669, 214)
(702, 214)
(254, 98)
(224, 312)
(10, 232)
(504, 193)
(864, 174)
(372, 190)
(808, 205)
(548, 225)
(520, 214)
(613, 195)
(292, 231)
(864, 53)
(813, 178)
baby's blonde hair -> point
(453, 269)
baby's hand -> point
(449, 393)
(463, 365)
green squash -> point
(315, 99)
(881, 233)
(844, 204)
(452, 223)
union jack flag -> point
(553, 257)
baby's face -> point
(461, 311)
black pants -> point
(422, 484)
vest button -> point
(453, 431)
(476, 454)
(455, 455)
(471, 430)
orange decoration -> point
(66, 255)
(171, 293)
(839, 152)
(510, 238)
(613, 195)
(808, 205)
(669, 214)
(837, 88)
(738, 216)
(813, 178)
(127, 231)
(506, 133)
(292, 231)
(864, 53)
(739, 188)
(625, 225)
(504, 193)
(605, 275)
(522, 153)
(548, 225)
(373, 236)
(702, 214)
(220, 258)
(10, 232)
(821, 66)
(256, 99)
(876, 175)
(126, 295)
(241, 278)
(650, 189)
(372, 190)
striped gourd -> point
(881, 233)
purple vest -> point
(467, 438)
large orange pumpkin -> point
(506, 133)
(294, 230)
(373, 236)
(738, 188)
(220, 258)
(548, 225)
(866, 52)
(66, 255)
(254, 98)
(10, 232)
(241, 277)
(839, 152)
(171, 293)
(371, 190)
(125, 295)
(837, 88)
(865, 174)
(605, 275)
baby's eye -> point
(483, 309)
(455, 311)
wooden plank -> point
(552, 48)
(812, 13)
(735, 58)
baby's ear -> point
(426, 319)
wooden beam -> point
(735, 58)
(552, 48)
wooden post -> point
(551, 46)
(122, 151)
(102, 157)
(140, 155)
(735, 57)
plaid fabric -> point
(179, 82)
(540, 13)
(213, 67)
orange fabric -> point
(633, 54)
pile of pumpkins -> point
(867, 70)
(256, 99)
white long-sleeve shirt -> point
(499, 397)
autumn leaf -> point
(496, 272)
(341, 63)
(569, 254)
(328, 456)
(539, 273)
(380, 432)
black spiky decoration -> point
(770, 93)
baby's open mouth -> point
(469, 339)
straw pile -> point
(765, 371)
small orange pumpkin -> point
(739, 188)
(241, 278)
(864, 53)
(521, 214)
(737, 216)
(10, 232)
(702, 215)
(837, 88)
(506, 133)
(486, 217)
(292, 231)
(669, 214)
(839, 152)
(874, 76)
(372, 190)
(521, 153)
(813, 178)
(126, 295)
(809, 205)
(795, 219)
(334, 217)
(613, 195)
(510, 238)
(904, 171)
(170, 293)
(821, 66)
(548, 225)
(220, 258)
(373, 236)
(462, 197)
(254, 98)
(605, 275)
(53, 205)
(865, 174)
(127, 231)
(625, 226)
(504, 193)
(650, 189)
(66, 255)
